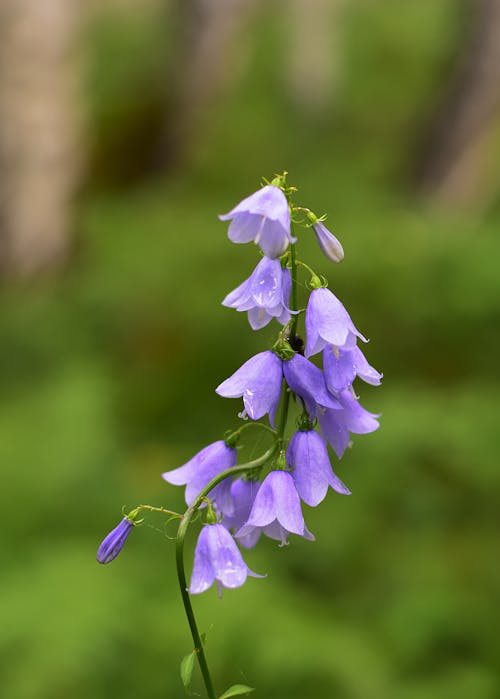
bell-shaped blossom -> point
(258, 381)
(337, 424)
(263, 217)
(330, 246)
(328, 323)
(341, 366)
(311, 469)
(199, 471)
(306, 380)
(217, 558)
(264, 295)
(276, 510)
(243, 494)
(113, 543)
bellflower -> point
(263, 217)
(341, 366)
(276, 510)
(243, 494)
(328, 322)
(337, 424)
(330, 246)
(305, 379)
(199, 471)
(113, 543)
(312, 473)
(217, 558)
(258, 381)
(264, 294)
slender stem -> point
(179, 556)
(248, 425)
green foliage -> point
(108, 378)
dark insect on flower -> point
(296, 343)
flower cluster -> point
(300, 470)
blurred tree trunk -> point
(205, 63)
(315, 54)
(456, 169)
(39, 154)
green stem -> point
(179, 557)
(246, 426)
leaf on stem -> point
(236, 690)
(187, 665)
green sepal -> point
(236, 690)
(187, 665)
(283, 349)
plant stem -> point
(179, 557)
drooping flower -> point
(276, 510)
(341, 366)
(199, 471)
(328, 323)
(305, 379)
(337, 424)
(263, 217)
(264, 294)
(312, 472)
(330, 246)
(258, 381)
(243, 494)
(113, 543)
(218, 559)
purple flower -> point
(276, 510)
(264, 294)
(337, 424)
(217, 557)
(263, 217)
(341, 366)
(258, 381)
(305, 379)
(330, 246)
(312, 473)
(243, 494)
(328, 323)
(200, 470)
(114, 541)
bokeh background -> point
(126, 126)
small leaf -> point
(236, 690)
(203, 637)
(187, 665)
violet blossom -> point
(263, 217)
(217, 558)
(258, 381)
(264, 295)
(311, 469)
(328, 323)
(113, 543)
(276, 510)
(330, 246)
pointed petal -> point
(365, 372)
(287, 502)
(203, 574)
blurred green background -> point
(109, 367)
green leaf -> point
(236, 690)
(187, 665)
